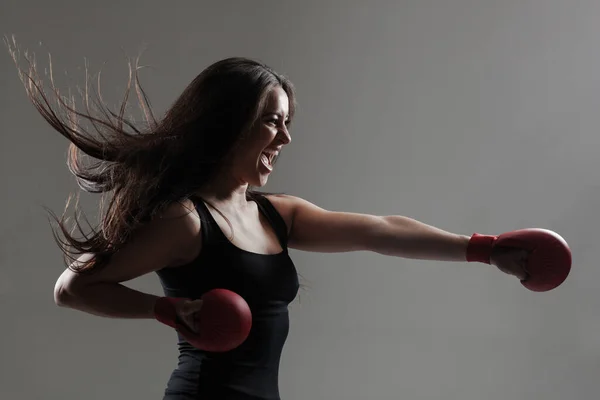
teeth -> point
(270, 156)
(265, 158)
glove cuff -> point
(480, 247)
(165, 311)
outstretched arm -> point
(313, 228)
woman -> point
(182, 206)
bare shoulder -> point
(288, 206)
(284, 204)
(288, 203)
(171, 236)
(181, 214)
(180, 219)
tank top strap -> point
(211, 232)
(275, 219)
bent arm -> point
(160, 244)
(315, 229)
(104, 299)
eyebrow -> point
(278, 113)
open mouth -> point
(267, 159)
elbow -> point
(62, 297)
(66, 290)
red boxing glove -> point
(165, 311)
(224, 320)
(549, 261)
(480, 248)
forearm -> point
(110, 300)
(408, 238)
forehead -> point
(277, 101)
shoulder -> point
(285, 206)
(284, 203)
(178, 209)
(180, 222)
(181, 216)
(288, 203)
(288, 206)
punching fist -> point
(540, 258)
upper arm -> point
(313, 228)
(166, 241)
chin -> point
(262, 182)
(258, 181)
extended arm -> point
(315, 229)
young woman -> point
(182, 205)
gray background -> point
(471, 115)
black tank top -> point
(268, 283)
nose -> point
(284, 135)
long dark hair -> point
(142, 169)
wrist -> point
(479, 248)
(165, 310)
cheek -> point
(262, 140)
(267, 134)
(252, 147)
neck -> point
(225, 192)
